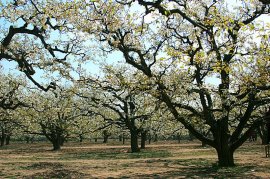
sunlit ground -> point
(158, 160)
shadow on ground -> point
(204, 172)
(53, 171)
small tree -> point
(56, 115)
(118, 102)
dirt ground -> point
(159, 160)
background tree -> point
(56, 115)
(119, 102)
(12, 98)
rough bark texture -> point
(268, 133)
(149, 139)
(120, 138)
(143, 139)
(81, 138)
(124, 139)
(8, 140)
(155, 138)
(3, 138)
(106, 136)
(134, 141)
(56, 144)
(225, 157)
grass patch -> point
(193, 162)
(42, 165)
(115, 155)
(57, 173)
(156, 161)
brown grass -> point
(160, 160)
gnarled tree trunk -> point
(56, 144)
(8, 139)
(143, 139)
(134, 141)
(3, 138)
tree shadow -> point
(202, 168)
(53, 170)
(200, 172)
(58, 173)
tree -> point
(11, 92)
(116, 99)
(31, 37)
(56, 114)
(192, 42)
(11, 99)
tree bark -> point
(3, 138)
(149, 139)
(224, 151)
(203, 144)
(156, 138)
(120, 138)
(105, 138)
(143, 139)
(268, 133)
(8, 139)
(56, 144)
(225, 156)
(134, 141)
(61, 139)
(178, 138)
(124, 139)
(80, 138)
(262, 131)
(27, 139)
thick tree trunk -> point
(27, 139)
(143, 139)
(178, 138)
(268, 133)
(80, 138)
(120, 138)
(156, 138)
(203, 144)
(105, 138)
(56, 144)
(225, 157)
(225, 153)
(134, 141)
(264, 140)
(56, 140)
(3, 138)
(61, 140)
(262, 131)
(8, 140)
(124, 139)
(149, 139)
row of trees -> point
(72, 112)
(172, 48)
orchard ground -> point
(159, 160)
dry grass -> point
(161, 160)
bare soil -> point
(158, 160)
